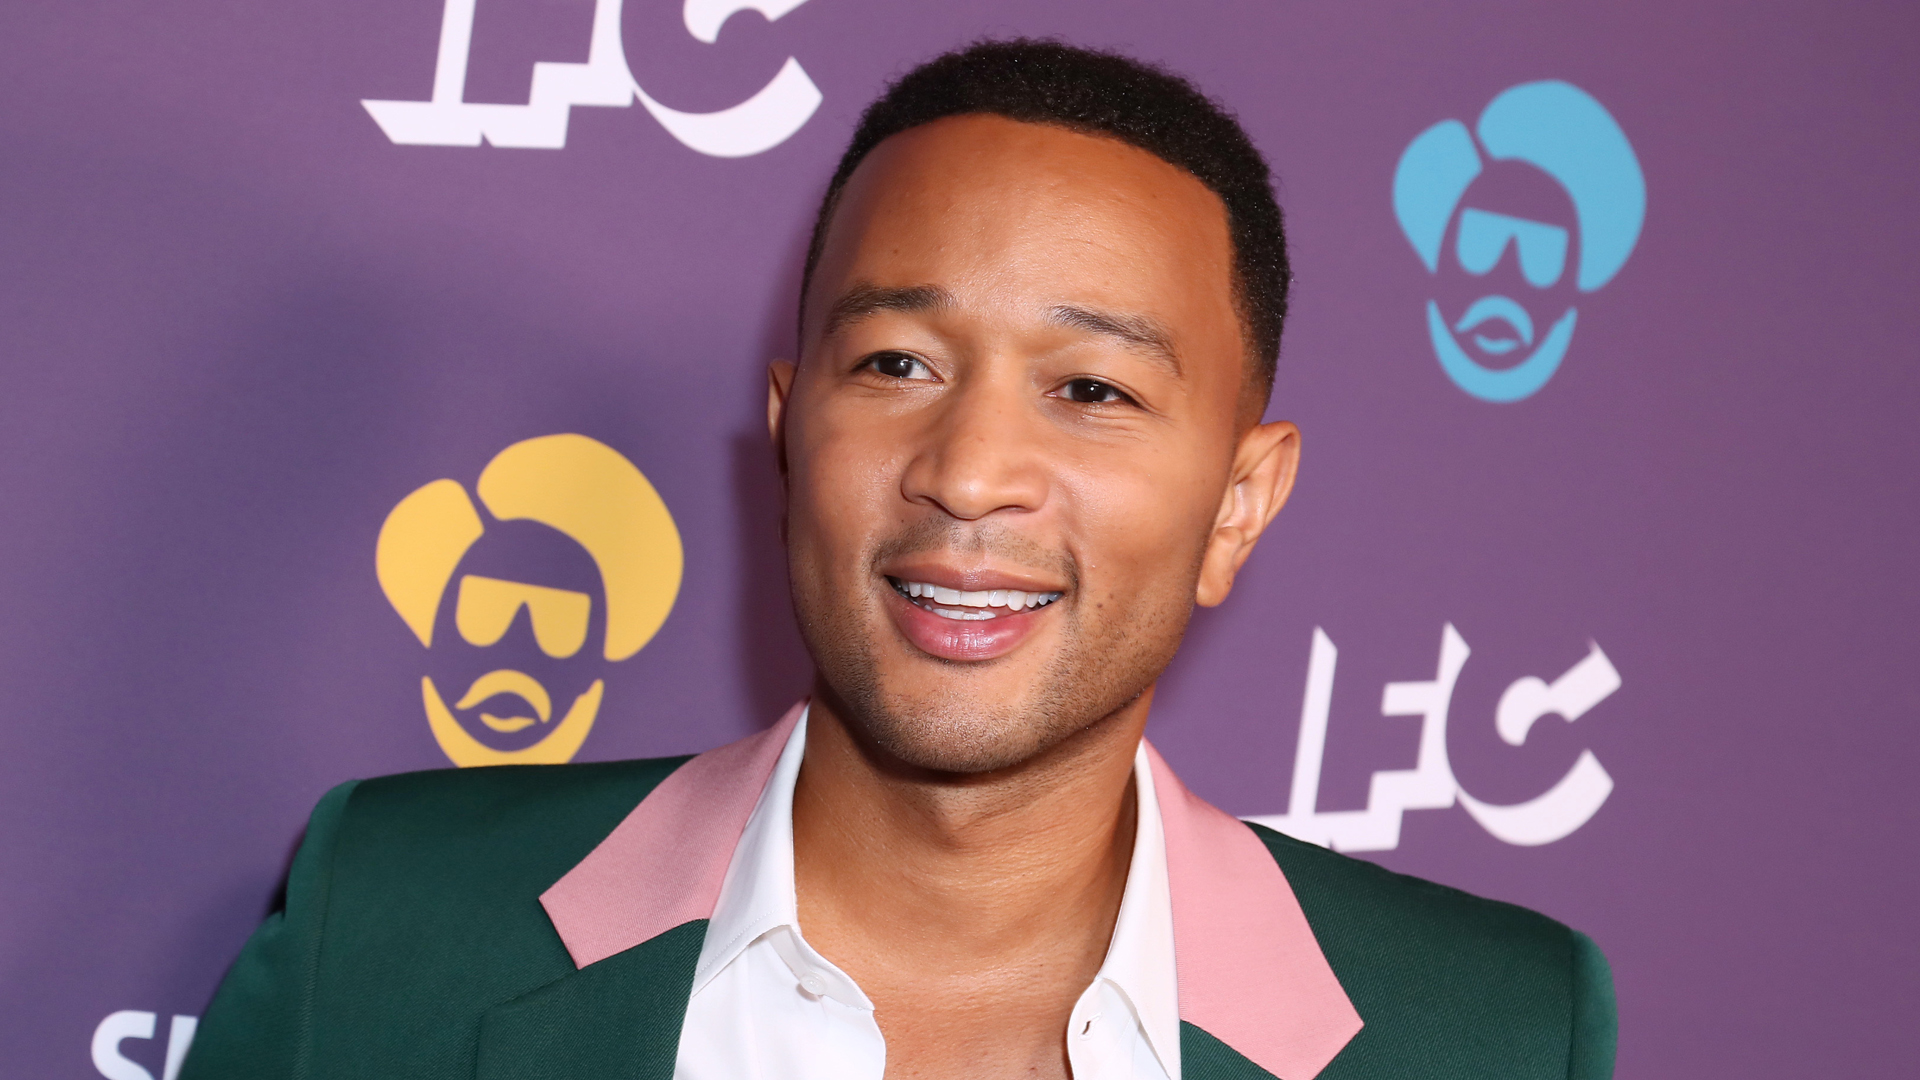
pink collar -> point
(1251, 974)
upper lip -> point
(978, 579)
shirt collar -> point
(1140, 959)
(758, 892)
(758, 898)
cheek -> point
(1141, 532)
(841, 484)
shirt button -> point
(813, 984)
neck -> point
(936, 887)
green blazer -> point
(531, 922)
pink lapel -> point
(1251, 974)
(664, 863)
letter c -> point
(1579, 794)
(756, 125)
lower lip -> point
(962, 639)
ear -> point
(1264, 465)
(779, 386)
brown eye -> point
(1093, 392)
(897, 365)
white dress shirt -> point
(766, 1006)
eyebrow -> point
(1138, 332)
(863, 300)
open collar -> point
(1250, 972)
(1141, 961)
(758, 897)
(758, 893)
(665, 863)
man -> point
(1038, 329)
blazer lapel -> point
(617, 1019)
(1255, 989)
(663, 865)
(633, 916)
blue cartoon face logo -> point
(1495, 347)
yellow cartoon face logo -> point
(573, 490)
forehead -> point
(1000, 212)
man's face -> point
(1012, 436)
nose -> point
(982, 452)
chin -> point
(960, 736)
(969, 728)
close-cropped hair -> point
(1106, 94)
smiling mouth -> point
(970, 606)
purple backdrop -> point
(239, 323)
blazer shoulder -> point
(439, 805)
(422, 910)
(412, 849)
(1340, 889)
(1449, 984)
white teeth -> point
(975, 605)
(968, 616)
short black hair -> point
(1100, 93)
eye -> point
(897, 365)
(1094, 392)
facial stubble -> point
(1113, 649)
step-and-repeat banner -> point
(365, 364)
